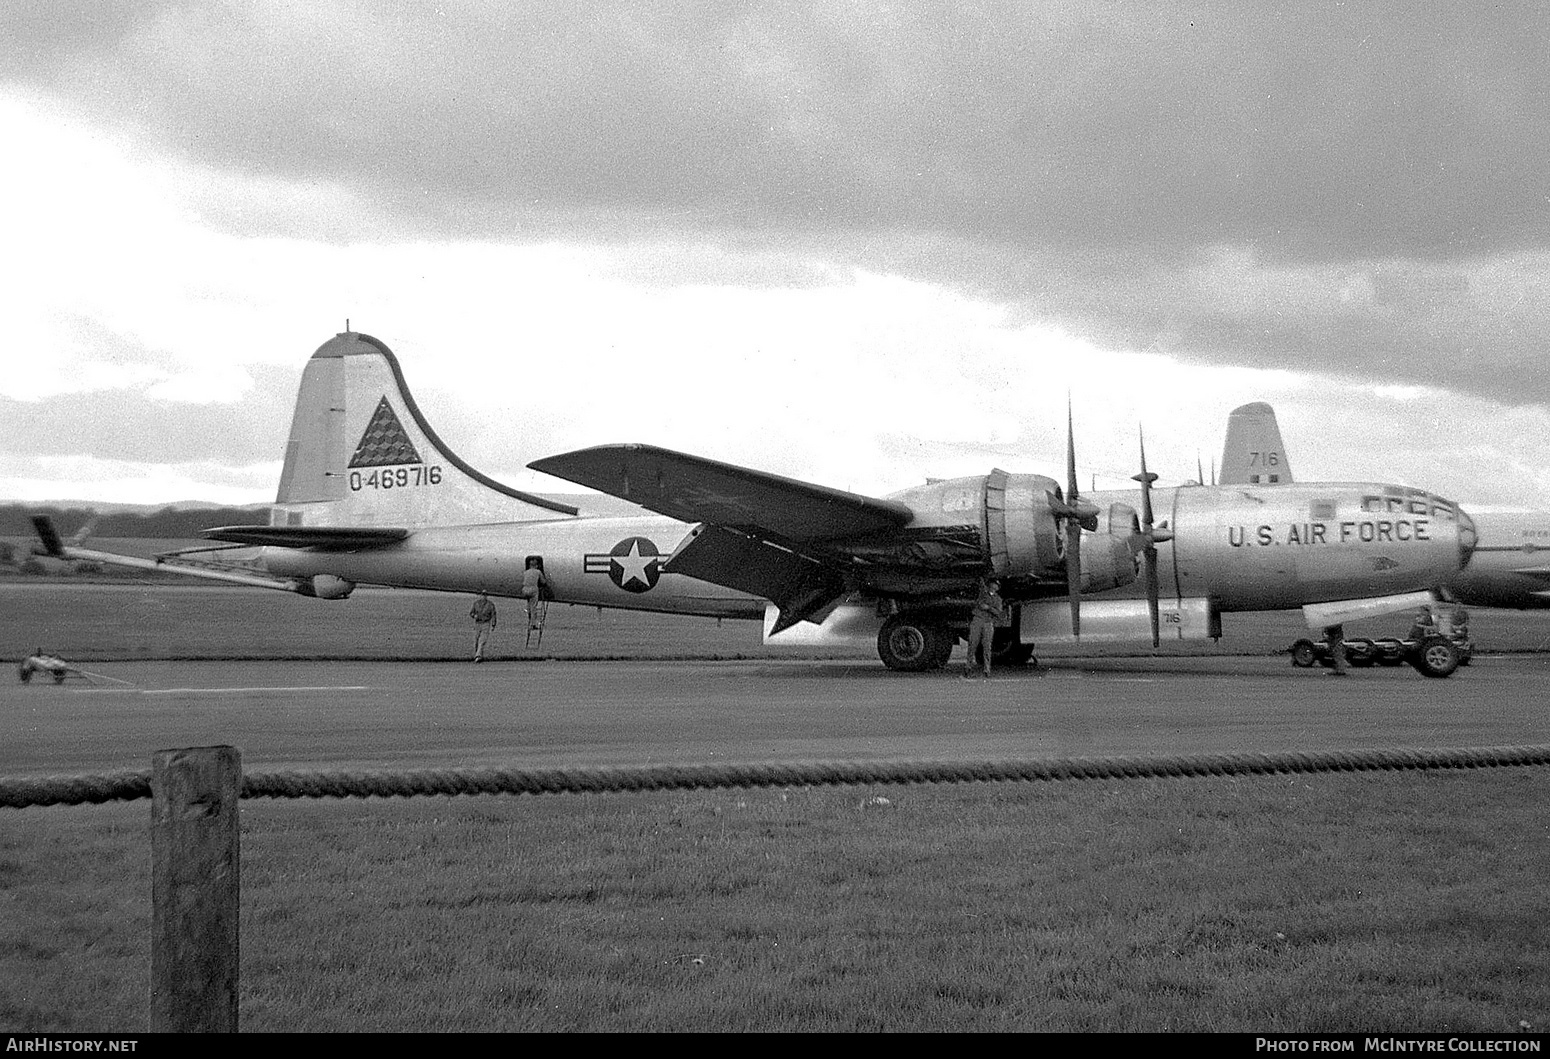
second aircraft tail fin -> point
(1254, 453)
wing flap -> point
(325, 538)
(796, 584)
(694, 489)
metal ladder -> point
(538, 611)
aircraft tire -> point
(1435, 656)
(1008, 652)
(913, 645)
(1304, 654)
(1011, 657)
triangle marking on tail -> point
(384, 444)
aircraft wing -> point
(324, 538)
(694, 489)
(760, 533)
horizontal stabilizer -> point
(325, 538)
(206, 573)
(694, 489)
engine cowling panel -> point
(1109, 553)
(1006, 524)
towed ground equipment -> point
(1432, 656)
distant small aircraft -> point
(42, 664)
(370, 494)
(1510, 566)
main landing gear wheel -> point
(1435, 656)
(1011, 655)
(912, 645)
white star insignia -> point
(632, 567)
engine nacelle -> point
(1109, 555)
(327, 586)
(963, 523)
(1022, 536)
(1009, 521)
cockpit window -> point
(1413, 502)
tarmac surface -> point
(327, 715)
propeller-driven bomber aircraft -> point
(369, 494)
(1511, 563)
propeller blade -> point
(1071, 493)
(1146, 478)
(1149, 537)
(1073, 530)
(1151, 594)
(1074, 575)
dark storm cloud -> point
(1088, 161)
(1311, 128)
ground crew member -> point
(1460, 622)
(989, 611)
(535, 588)
(485, 619)
(1334, 639)
(1425, 624)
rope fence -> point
(258, 783)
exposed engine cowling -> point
(1022, 537)
(327, 586)
(1019, 530)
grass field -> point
(1378, 902)
(1333, 903)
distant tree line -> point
(167, 522)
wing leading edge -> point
(694, 489)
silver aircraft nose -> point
(1468, 538)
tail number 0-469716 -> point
(395, 478)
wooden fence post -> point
(195, 869)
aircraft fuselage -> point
(1269, 548)
(608, 562)
(1511, 565)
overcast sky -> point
(856, 243)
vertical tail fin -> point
(361, 454)
(1254, 453)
